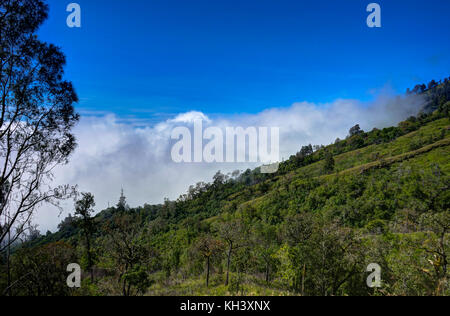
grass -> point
(250, 286)
(395, 159)
(422, 137)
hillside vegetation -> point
(311, 229)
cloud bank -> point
(113, 154)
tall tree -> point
(36, 118)
(84, 209)
(127, 248)
(233, 232)
(208, 247)
(265, 245)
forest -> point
(376, 197)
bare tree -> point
(36, 118)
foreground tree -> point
(130, 252)
(42, 271)
(36, 117)
(320, 256)
(430, 252)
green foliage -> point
(329, 162)
(311, 229)
(42, 271)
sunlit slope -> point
(369, 184)
(426, 135)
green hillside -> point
(311, 229)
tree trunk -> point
(207, 271)
(267, 272)
(228, 264)
(124, 287)
(303, 279)
(444, 255)
(89, 255)
(124, 282)
(8, 264)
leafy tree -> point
(127, 247)
(445, 109)
(432, 84)
(355, 130)
(322, 256)
(356, 142)
(219, 179)
(437, 248)
(42, 271)
(265, 246)
(84, 209)
(234, 233)
(209, 248)
(36, 117)
(329, 162)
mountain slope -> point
(311, 229)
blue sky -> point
(151, 59)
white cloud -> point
(112, 154)
(190, 117)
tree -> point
(83, 208)
(42, 271)
(355, 130)
(445, 109)
(126, 246)
(296, 231)
(322, 256)
(233, 232)
(420, 264)
(219, 179)
(264, 241)
(422, 88)
(432, 84)
(208, 247)
(329, 162)
(305, 151)
(36, 118)
(439, 225)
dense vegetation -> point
(311, 229)
(380, 197)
